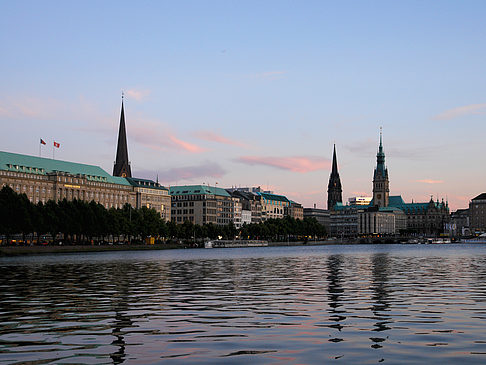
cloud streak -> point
(137, 94)
(156, 137)
(300, 164)
(430, 181)
(473, 109)
(214, 137)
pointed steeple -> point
(334, 189)
(122, 165)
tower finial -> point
(123, 94)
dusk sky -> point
(254, 93)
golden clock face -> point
(378, 196)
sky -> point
(254, 93)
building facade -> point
(296, 210)
(43, 179)
(322, 216)
(477, 213)
(152, 195)
(381, 221)
(201, 204)
(250, 201)
(274, 206)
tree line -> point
(81, 222)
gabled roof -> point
(42, 166)
(197, 190)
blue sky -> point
(254, 93)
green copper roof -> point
(197, 189)
(42, 166)
(274, 197)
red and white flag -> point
(57, 145)
(42, 141)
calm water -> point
(280, 305)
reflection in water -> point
(335, 291)
(267, 305)
(380, 296)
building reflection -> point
(335, 290)
(381, 296)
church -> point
(385, 214)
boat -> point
(439, 240)
(479, 239)
(235, 243)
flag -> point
(57, 145)
(42, 141)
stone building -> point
(274, 206)
(322, 216)
(250, 201)
(296, 210)
(151, 194)
(381, 221)
(43, 179)
(477, 213)
(201, 204)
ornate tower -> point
(334, 190)
(381, 185)
(122, 166)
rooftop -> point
(480, 197)
(145, 183)
(197, 190)
(42, 166)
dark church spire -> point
(122, 166)
(334, 189)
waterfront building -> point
(344, 221)
(428, 218)
(236, 212)
(274, 206)
(245, 216)
(43, 179)
(250, 201)
(381, 221)
(152, 195)
(322, 216)
(334, 188)
(296, 210)
(477, 213)
(201, 204)
(122, 165)
(459, 223)
(381, 184)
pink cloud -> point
(461, 111)
(137, 94)
(301, 164)
(157, 137)
(429, 181)
(186, 145)
(213, 137)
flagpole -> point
(53, 151)
(40, 144)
